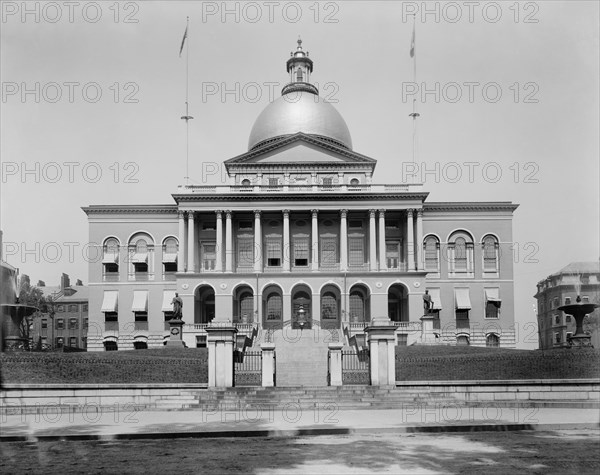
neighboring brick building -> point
(70, 316)
(562, 288)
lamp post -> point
(301, 317)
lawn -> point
(458, 363)
(161, 365)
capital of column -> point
(372, 213)
(381, 213)
(228, 214)
(420, 213)
(257, 213)
(191, 214)
(286, 213)
(314, 212)
(409, 212)
(181, 214)
(219, 213)
(343, 213)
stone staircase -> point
(321, 397)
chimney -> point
(78, 283)
(64, 281)
(41, 283)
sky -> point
(508, 96)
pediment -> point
(300, 149)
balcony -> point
(303, 189)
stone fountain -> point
(14, 315)
(579, 310)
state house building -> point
(301, 237)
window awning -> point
(140, 301)
(110, 302)
(436, 299)
(140, 258)
(169, 258)
(168, 296)
(461, 296)
(110, 258)
(493, 295)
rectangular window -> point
(245, 225)
(392, 254)
(491, 310)
(356, 250)
(327, 182)
(85, 323)
(73, 324)
(111, 268)
(200, 341)
(73, 308)
(140, 267)
(209, 225)
(85, 307)
(568, 318)
(209, 256)
(585, 299)
(245, 247)
(557, 338)
(273, 182)
(567, 300)
(489, 258)
(60, 342)
(557, 319)
(355, 224)
(111, 317)
(300, 246)
(44, 323)
(460, 258)
(273, 246)
(462, 319)
(73, 341)
(328, 249)
(60, 323)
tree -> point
(34, 297)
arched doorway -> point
(243, 304)
(398, 303)
(301, 307)
(360, 304)
(330, 307)
(272, 307)
(204, 304)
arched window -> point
(492, 340)
(170, 248)
(110, 258)
(140, 247)
(357, 306)
(329, 307)
(460, 247)
(490, 254)
(462, 340)
(140, 345)
(431, 248)
(354, 182)
(245, 182)
(110, 345)
(299, 75)
(272, 307)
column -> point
(372, 241)
(228, 243)
(335, 364)
(381, 338)
(286, 240)
(191, 264)
(315, 240)
(313, 177)
(182, 238)
(286, 182)
(343, 240)
(268, 364)
(219, 246)
(258, 259)
(382, 259)
(220, 342)
(410, 240)
(419, 242)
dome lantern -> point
(299, 66)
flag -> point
(183, 40)
(412, 44)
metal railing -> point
(303, 188)
(247, 368)
(356, 367)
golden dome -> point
(300, 111)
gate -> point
(247, 368)
(355, 367)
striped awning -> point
(493, 295)
(140, 301)
(461, 296)
(110, 258)
(140, 258)
(169, 258)
(168, 296)
(111, 301)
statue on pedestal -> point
(177, 303)
(427, 302)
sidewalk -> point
(288, 421)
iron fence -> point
(247, 368)
(355, 367)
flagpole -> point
(414, 113)
(187, 115)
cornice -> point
(130, 209)
(468, 206)
(300, 197)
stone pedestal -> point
(381, 338)
(335, 364)
(268, 364)
(427, 335)
(221, 341)
(176, 331)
